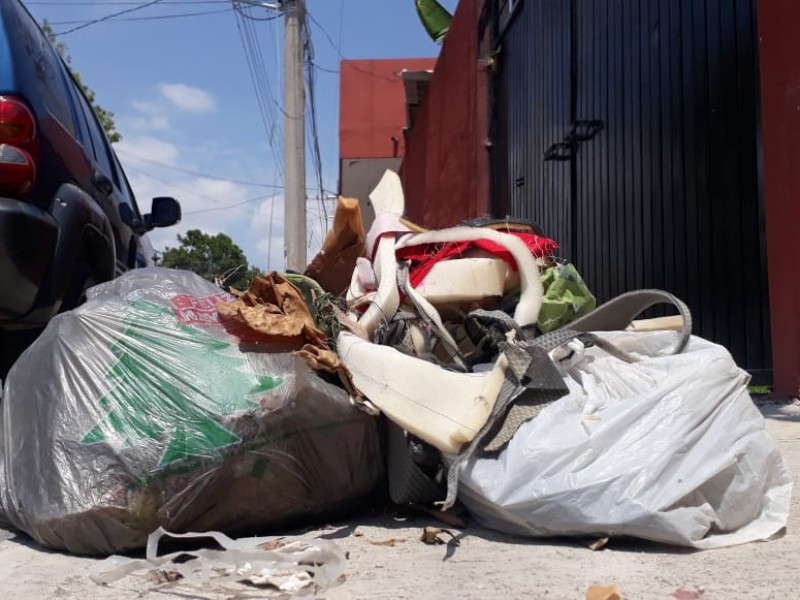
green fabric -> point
(435, 19)
(566, 297)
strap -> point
(616, 315)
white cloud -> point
(187, 97)
(131, 149)
(243, 212)
(207, 206)
(265, 234)
(146, 108)
(148, 123)
(150, 116)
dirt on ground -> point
(388, 560)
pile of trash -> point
(542, 414)
(465, 364)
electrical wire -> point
(234, 205)
(223, 205)
(312, 118)
(117, 2)
(338, 49)
(279, 177)
(252, 18)
(198, 174)
(151, 18)
(110, 16)
(260, 80)
(325, 69)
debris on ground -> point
(682, 594)
(295, 568)
(597, 544)
(600, 592)
(390, 542)
(433, 536)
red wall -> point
(779, 49)
(372, 107)
(446, 168)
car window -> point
(99, 143)
(46, 76)
(82, 129)
(127, 192)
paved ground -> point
(485, 564)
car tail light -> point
(18, 146)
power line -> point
(117, 2)
(336, 47)
(325, 69)
(151, 18)
(312, 104)
(279, 176)
(110, 16)
(222, 206)
(234, 205)
(252, 18)
(198, 174)
(259, 77)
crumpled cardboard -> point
(333, 266)
(275, 308)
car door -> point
(140, 251)
(107, 185)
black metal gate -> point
(633, 139)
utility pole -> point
(294, 228)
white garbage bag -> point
(670, 449)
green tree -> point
(105, 117)
(213, 257)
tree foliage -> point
(105, 117)
(213, 257)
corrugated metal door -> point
(539, 97)
(660, 149)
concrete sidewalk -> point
(485, 564)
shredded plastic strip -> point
(276, 565)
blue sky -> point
(185, 102)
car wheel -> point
(15, 341)
(82, 280)
(12, 344)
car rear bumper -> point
(28, 237)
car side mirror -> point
(165, 212)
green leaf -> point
(435, 19)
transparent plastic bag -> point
(139, 410)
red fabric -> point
(424, 257)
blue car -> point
(68, 217)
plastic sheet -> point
(670, 448)
(284, 567)
(139, 410)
